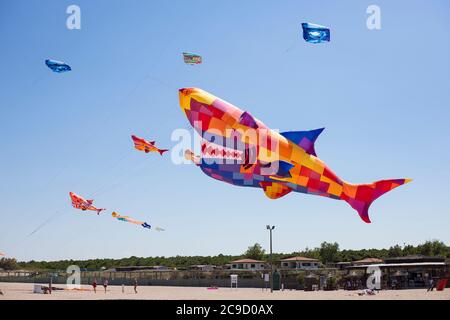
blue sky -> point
(382, 95)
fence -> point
(247, 279)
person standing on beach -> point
(105, 284)
(94, 285)
(135, 285)
(430, 284)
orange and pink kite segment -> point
(130, 220)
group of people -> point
(105, 285)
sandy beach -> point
(24, 291)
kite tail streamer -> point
(361, 196)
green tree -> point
(395, 251)
(8, 264)
(433, 248)
(329, 252)
(255, 252)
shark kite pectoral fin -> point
(277, 169)
(305, 139)
(274, 190)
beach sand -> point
(24, 291)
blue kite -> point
(57, 66)
(314, 33)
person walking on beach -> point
(135, 285)
(430, 285)
(105, 284)
(94, 285)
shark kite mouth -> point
(212, 150)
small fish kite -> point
(314, 33)
(57, 66)
(80, 203)
(146, 146)
(130, 220)
(2, 254)
(192, 58)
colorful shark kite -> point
(241, 150)
(80, 203)
(146, 146)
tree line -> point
(325, 253)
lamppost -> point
(270, 228)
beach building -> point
(202, 267)
(407, 272)
(299, 263)
(248, 264)
(338, 265)
(367, 261)
(139, 268)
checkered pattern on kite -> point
(249, 161)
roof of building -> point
(412, 264)
(247, 261)
(139, 268)
(298, 258)
(414, 258)
(368, 260)
(202, 265)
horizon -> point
(382, 96)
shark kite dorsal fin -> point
(305, 139)
(274, 190)
(246, 119)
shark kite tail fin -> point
(361, 196)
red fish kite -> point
(80, 203)
(146, 146)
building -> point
(301, 263)
(202, 267)
(139, 268)
(367, 261)
(248, 264)
(407, 272)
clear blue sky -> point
(383, 97)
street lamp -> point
(270, 228)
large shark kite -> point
(239, 149)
